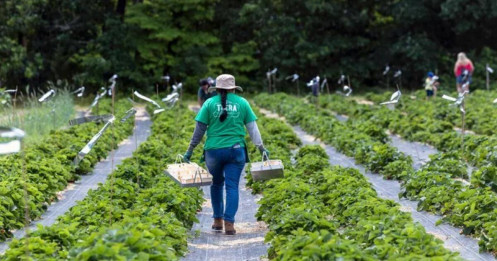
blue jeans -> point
(460, 79)
(225, 165)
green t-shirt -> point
(232, 130)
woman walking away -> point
(224, 117)
(463, 69)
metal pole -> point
(269, 84)
(14, 111)
(157, 90)
(135, 133)
(53, 115)
(96, 109)
(270, 81)
(463, 115)
(27, 217)
(112, 155)
(15, 97)
(113, 99)
(54, 119)
(488, 77)
(298, 89)
(274, 82)
(327, 85)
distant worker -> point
(315, 88)
(314, 85)
(203, 92)
(463, 70)
(431, 85)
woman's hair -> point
(461, 58)
(224, 95)
(203, 82)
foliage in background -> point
(142, 40)
(38, 119)
(172, 37)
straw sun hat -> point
(226, 82)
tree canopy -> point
(86, 42)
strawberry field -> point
(323, 209)
(367, 128)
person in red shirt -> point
(463, 70)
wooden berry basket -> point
(188, 174)
(267, 169)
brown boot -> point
(229, 228)
(218, 224)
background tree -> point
(86, 42)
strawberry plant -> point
(138, 213)
(49, 168)
(439, 186)
(333, 212)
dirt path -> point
(419, 152)
(247, 244)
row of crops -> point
(329, 212)
(477, 150)
(324, 212)
(137, 214)
(318, 211)
(480, 110)
(48, 164)
(437, 186)
(418, 120)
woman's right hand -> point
(187, 156)
(265, 154)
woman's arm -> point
(200, 95)
(255, 135)
(455, 69)
(198, 134)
